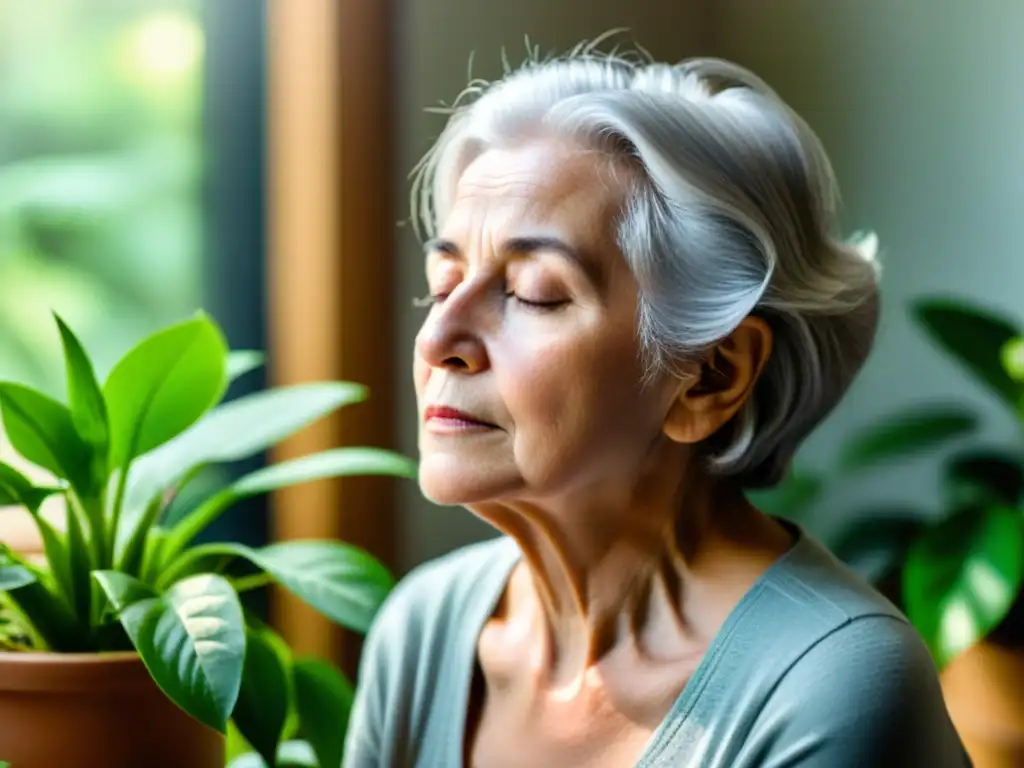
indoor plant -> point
(956, 571)
(122, 583)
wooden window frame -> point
(330, 269)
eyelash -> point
(538, 306)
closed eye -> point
(538, 305)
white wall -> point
(921, 107)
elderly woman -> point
(639, 308)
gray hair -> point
(732, 212)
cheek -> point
(420, 375)
(575, 399)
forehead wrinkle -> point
(571, 194)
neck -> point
(607, 568)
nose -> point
(450, 340)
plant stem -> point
(115, 515)
(179, 566)
(191, 526)
(132, 557)
(255, 581)
(90, 516)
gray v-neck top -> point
(812, 669)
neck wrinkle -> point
(592, 586)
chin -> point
(454, 481)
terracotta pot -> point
(984, 690)
(98, 710)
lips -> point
(443, 415)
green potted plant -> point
(128, 643)
(956, 571)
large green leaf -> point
(323, 698)
(341, 581)
(339, 462)
(961, 578)
(238, 430)
(984, 477)
(1012, 356)
(18, 490)
(905, 434)
(241, 361)
(63, 557)
(191, 639)
(292, 754)
(265, 696)
(163, 385)
(85, 398)
(975, 338)
(42, 431)
(38, 600)
(333, 463)
(878, 539)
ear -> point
(721, 386)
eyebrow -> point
(517, 246)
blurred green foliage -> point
(100, 175)
(957, 571)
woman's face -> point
(528, 368)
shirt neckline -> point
(466, 662)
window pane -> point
(100, 178)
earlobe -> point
(724, 381)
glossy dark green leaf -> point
(793, 498)
(879, 538)
(68, 557)
(343, 582)
(18, 490)
(85, 398)
(264, 699)
(163, 385)
(15, 488)
(13, 485)
(292, 754)
(191, 639)
(902, 435)
(323, 699)
(339, 462)
(975, 338)
(961, 578)
(42, 431)
(238, 430)
(984, 477)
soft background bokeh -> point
(123, 206)
(139, 141)
(101, 155)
